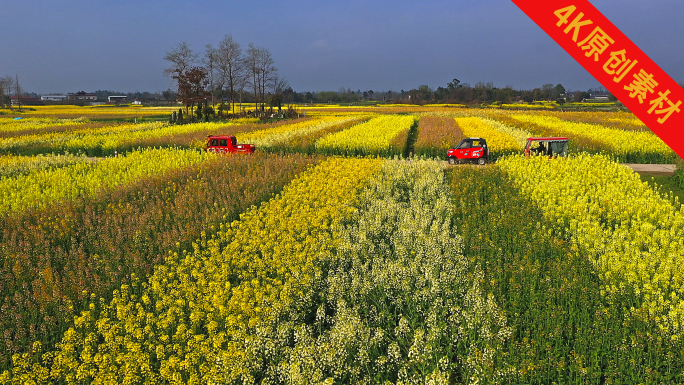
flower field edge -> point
(243, 267)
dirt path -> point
(643, 169)
(652, 169)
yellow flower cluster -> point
(11, 125)
(103, 111)
(11, 165)
(206, 304)
(497, 135)
(109, 138)
(397, 294)
(528, 106)
(372, 137)
(45, 186)
(629, 146)
(279, 134)
(634, 236)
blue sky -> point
(71, 45)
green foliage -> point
(565, 329)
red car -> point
(469, 150)
(226, 144)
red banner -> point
(615, 62)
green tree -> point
(424, 92)
(558, 91)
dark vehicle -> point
(469, 150)
(551, 147)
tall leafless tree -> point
(180, 58)
(17, 91)
(259, 63)
(267, 74)
(242, 83)
(278, 86)
(230, 65)
(6, 83)
(252, 66)
(209, 59)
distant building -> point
(53, 98)
(82, 96)
(25, 101)
(117, 99)
(137, 102)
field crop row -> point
(105, 140)
(44, 187)
(367, 271)
(501, 139)
(271, 137)
(436, 135)
(632, 235)
(626, 146)
(109, 112)
(371, 138)
(565, 329)
(9, 125)
(198, 306)
(11, 165)
(55, 260)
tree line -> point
(224, 71)
(454, 92)
(9, 86)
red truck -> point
(227, 144)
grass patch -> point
(664, 183)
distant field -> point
(330, 256)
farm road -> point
(655, 169)
(650, 169)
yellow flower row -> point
(629, 146)
(372, 137)
(43, 187)
(280, 134)
(96, 111)
(11, 165)
(634, 237)
(497, 135)
(109, 138)
(206, 304)
(11, 125)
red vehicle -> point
(469, 150)
(550, 146)
(226, 144)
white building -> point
(53, 98)
(117, 98)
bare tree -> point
(180, 58)
(267, 73)
(5, 91)
(242, 83)
(210, 55)
(17, 91)
(252, 66)
(230, 65)
(278, 87)
(260, 66)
